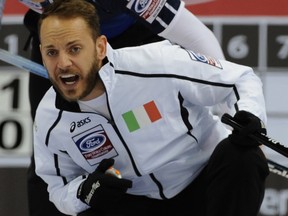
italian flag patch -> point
(141, 116)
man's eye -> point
(51, 52)
(75, 49)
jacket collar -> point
(62, 104)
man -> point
(143, 111)
(123, 27)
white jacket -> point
(173, 86)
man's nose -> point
(64, 61)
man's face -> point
(72, 57)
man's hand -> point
(101, 190)
(251, 124)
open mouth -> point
(69, 79)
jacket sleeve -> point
(59, 172)
(173, 21)
(205, 81)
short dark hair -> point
(71, 9)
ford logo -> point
(200, 57)
(142, 5)
(92, 142)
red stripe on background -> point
(241, 8)
(152, 111)
(14, 7)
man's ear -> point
(101, 45)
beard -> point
(90, 81)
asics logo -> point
(78, 124)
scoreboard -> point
(260, 42)
(15, 119)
